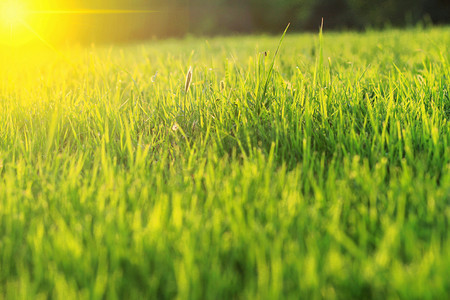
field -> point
(326, 176)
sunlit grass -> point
(324, 177)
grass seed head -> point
(188, 80)
(154, 77)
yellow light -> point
(12, 13)
(23, 22)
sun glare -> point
(12, 13)
(21, 24)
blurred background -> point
(177, 18)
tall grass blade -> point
(269, 74)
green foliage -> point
(337, 187)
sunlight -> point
(22, 22)
(12, 16)
(12, 13)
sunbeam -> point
(89, 12)
(44, 41)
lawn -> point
(324, 177)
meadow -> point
(318, 172)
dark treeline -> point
(209, 17)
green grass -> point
(331, 181)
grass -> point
(330, 181)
